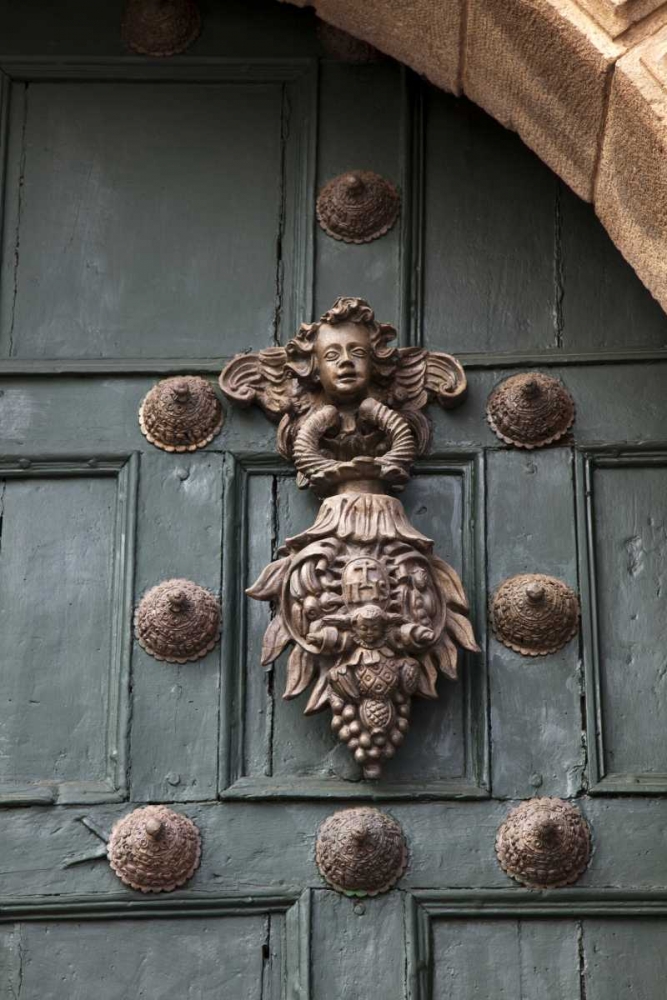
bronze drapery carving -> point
(371, 612)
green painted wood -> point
(360, 128)
(624, 958)
(65, 571)
(488, 235)
(77, 28)
(537, 743)
(357, 947)
(175, 707)
(620, 500)
(167, 958)
(509, 958)
(119, 189)
(604, 304)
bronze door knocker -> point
(371, 612)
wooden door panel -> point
(65, 594)
(154, 959)
(175, 708)
(536, 734)
(362, 115)
(492, 959)
(357, 947)
(625, 959)
(496, 211)
(622, 499)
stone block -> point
(542, 68)
(420, 33)
(631, 192)
(616, 16)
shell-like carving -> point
(338, 44)
(358, 207)
(160, 28)
(534, 614)
(154, 849)
(544, 843)
(361, 852)
(181, 414)
(530, 410)
(177, 621)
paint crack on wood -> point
(558, 269)
(280, 235)
(19, 215)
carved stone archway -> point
(584, 84)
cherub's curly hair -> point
(384, 356)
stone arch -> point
(584, 84)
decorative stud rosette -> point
(530, 410)
(160, 28)
(154, 849)
(177, 621)
(358, 207)
(181, 414)
(544, 843)
(361, 852)
(534, 614)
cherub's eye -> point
(360, 352)
(331, 356)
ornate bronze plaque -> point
(358, 207)
(361, 852)
(160, 27)
(181, 414)
(530, 410)
(544, 844)
(371, 612)
(154, 849)
(535, 614)
(178, 621)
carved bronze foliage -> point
(530, 410)
(160, 28)
(181, 414)
(154, 849)
(535, 614)
(178, 621)
(544, 843)
(358, 207)
(371, 613)
(361, 852)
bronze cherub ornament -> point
(371, 611)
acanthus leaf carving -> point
(371, 613)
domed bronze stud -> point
(338, 44)
(544, 843)
(534, 614)
(181, 414)
(361, 852)
(160, 28)
(358, 207)
(154, 849)
(530, 410)
(178, 621)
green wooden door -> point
(158, 217)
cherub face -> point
(343, 355)
(368, 626)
